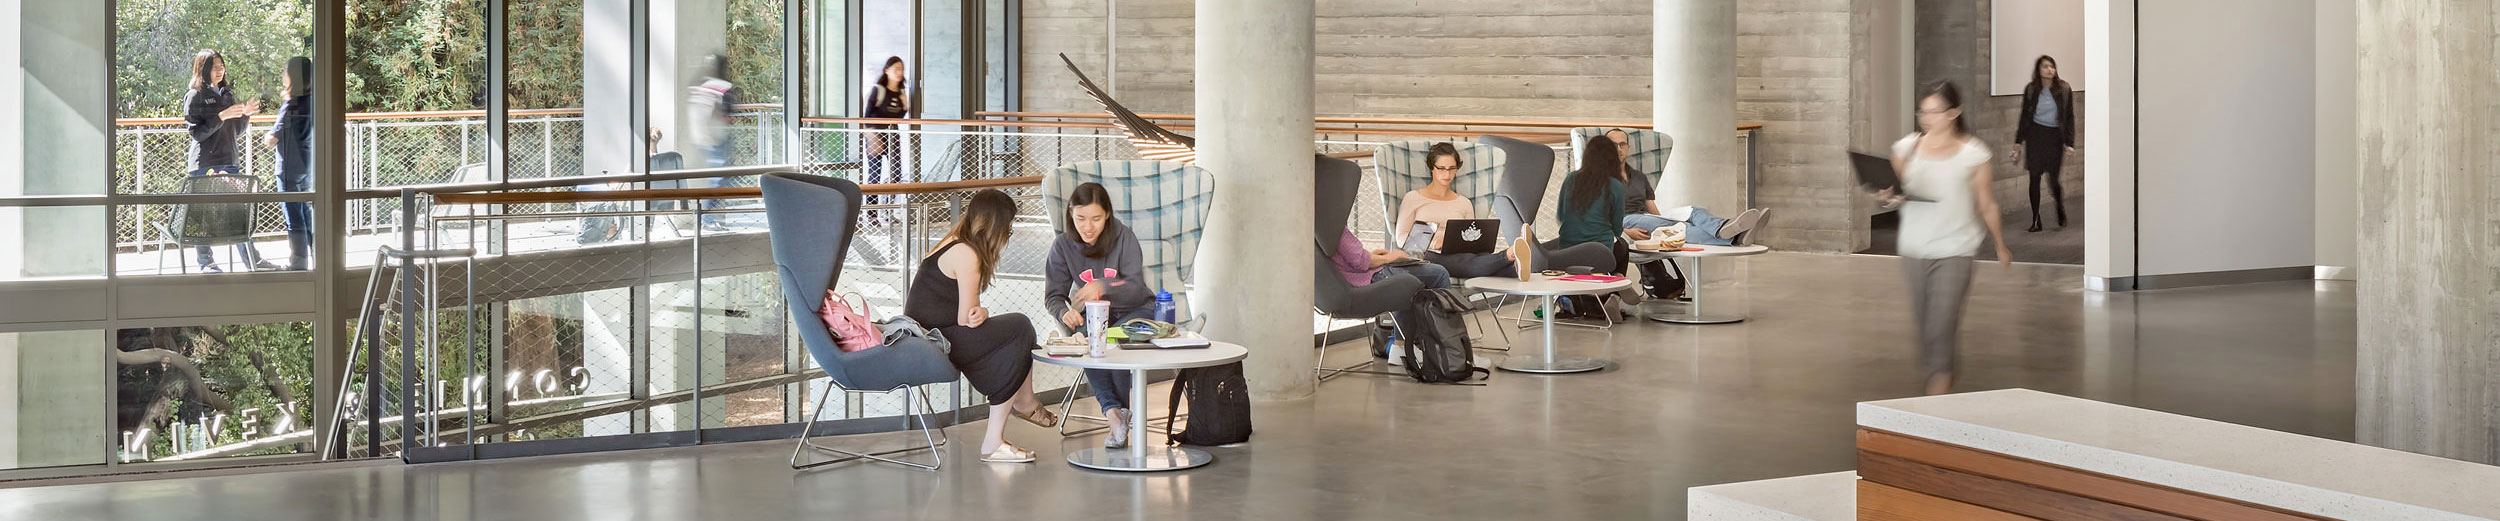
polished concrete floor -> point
(1682, 406)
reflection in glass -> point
(52, 395)
(213, 391)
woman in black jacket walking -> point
(217, 125)
(2045, 135)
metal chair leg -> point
(1320, 358)
(934, 438)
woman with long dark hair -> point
(1946, 170)
(2045, 135)
(1098, 259)
(217, 124)
(888, 97)
(993, 352)
(292, 137)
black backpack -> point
(1219, 405)
(1435, 338)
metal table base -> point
(1693, 313)
(1153, 459)
(1547, 362)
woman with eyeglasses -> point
(1947, 213)
(1436, 205)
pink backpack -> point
(851, 330)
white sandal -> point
(1009, 453)
(1119, 430)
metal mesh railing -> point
(153, 156)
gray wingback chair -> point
(1527, 171)
(1338, 182)
(812, 218)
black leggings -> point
(2057, 195)
(996, 356)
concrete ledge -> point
(1819, 497)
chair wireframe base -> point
(935, 438)
(1319, 346)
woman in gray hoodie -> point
(1098, 259)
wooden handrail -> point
(679, 194)
(1416, 132)
(432, 114)
(1359, 121)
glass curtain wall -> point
(156, 195)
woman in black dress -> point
(2046, 135)
(993, 352)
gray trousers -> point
(1938, 288)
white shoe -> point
(1119, 429)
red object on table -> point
(1590, 278)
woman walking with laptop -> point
(1953, 213)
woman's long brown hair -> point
(988, 220)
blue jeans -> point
(715, 156)
(1433, 275)
(1700, 228)
(1111, 387)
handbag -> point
(851, 330)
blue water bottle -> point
(1164, 310)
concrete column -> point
(1254, 85)
(607, 88)
(2429, 305)
(1693, 78)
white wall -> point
(2022, 31)
(2109, 153)
(2338, 189)
(2227, 173)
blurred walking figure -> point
(1947, 212)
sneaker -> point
(1744, 222)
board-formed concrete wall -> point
(1796, 61)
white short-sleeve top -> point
(1947, 224)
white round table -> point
(1139, 457)
(1547, 287)
(1693, 313)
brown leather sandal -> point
(1040, 416)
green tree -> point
(152, 56)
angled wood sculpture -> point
(1152, 141)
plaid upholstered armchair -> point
(1165, 203)
(1402, 169)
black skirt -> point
(2044, 149)
(995, 357)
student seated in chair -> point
(1361, 267)
(1436, 204)
(1098, 259)
(1642, 217)
(993, 352)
